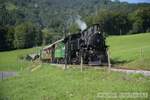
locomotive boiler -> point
(90, 44)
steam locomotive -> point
(88, 44)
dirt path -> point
(6, 74)
(145, 73)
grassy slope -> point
(51, 83)
(125, 50)
(55, 84)
(10, 60)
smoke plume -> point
(82, 25)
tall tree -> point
(24, 35)
(141, 20)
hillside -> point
(29, 23)
(51, 83)
(130, 51)
(11, 60)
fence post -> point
(66, 56)
(2, 76)
(141, 52)
(108, 58)
(81, 63)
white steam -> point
(82, 25)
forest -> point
(30, 23)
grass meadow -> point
(130, 51)
(49, 82)
(11, 60)
(52, 83)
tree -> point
(10, 37)
(47, 35)
(3, 44)
(6, 29)
(24, 35)
(112, 23)
(141, 20)
(22, 21)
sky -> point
(136, 1)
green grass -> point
(10, 60)
(126, 50)
(51, 83)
